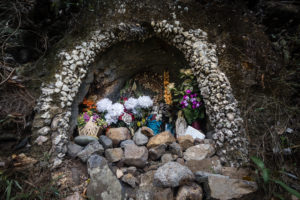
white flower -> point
(145, 101)
(110, 120)
(131, 103)
(116, 110)
(103, 105)
(127, 118)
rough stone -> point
(167, 158)
(185, 141)
(190, 192)
(194, 133)
(161, 138)
(175, 148)
(225, 188)
(105, 141)
(139, 138)
(147, 131)
(162, 193)
(146, 179)
(119, 173)
(40, 140)
(126, 142)
(156, 152)
(118, 134)
(84, 139)
(173, 174)
(180, 161)
(91, 148)
(114, 155)
(73, 149)
(135, 155)
(199, 152)
(130, 180)
(237, 173)
(104, 185)
(44, 131)
(211, 165)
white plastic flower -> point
(103, 105)
(116, 110)
(127, 118)
(145, 101)
(110, 120)
(131, 103)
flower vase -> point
(196, 125)
(90, 129)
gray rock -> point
(190, 192)
(91, 148)
(223, 187)
(105, 141)
(147, 131)
(130, 180)
(167, 158)
(114, 155)
(129, 170)
(212, 165)
(135, 155)
(73, 149)
(118, 135)
(139, 138)
(124, 143)
(173, 174)
(104, 185)
(83, 140)
(199, 152)
(175, 148)
(156, 152)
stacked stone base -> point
(158, 167)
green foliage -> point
(11, 189)
(265, 173)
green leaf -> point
(287, 188)
(8, 190)
(258, 162)
(265, 175)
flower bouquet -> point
(127, 113)
(188, 98)
(190, 105)
(90, 124)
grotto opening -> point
(129, 70)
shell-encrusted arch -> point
(54, 105)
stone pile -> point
(158, 167)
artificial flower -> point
(145, 101)
(116, 110)
(103, 105)
(127, 118)
(131, 103)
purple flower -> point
(86, 117)
(193, 106)
(188, 91)
(186, 97)
(95, 117)
(193, 100)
